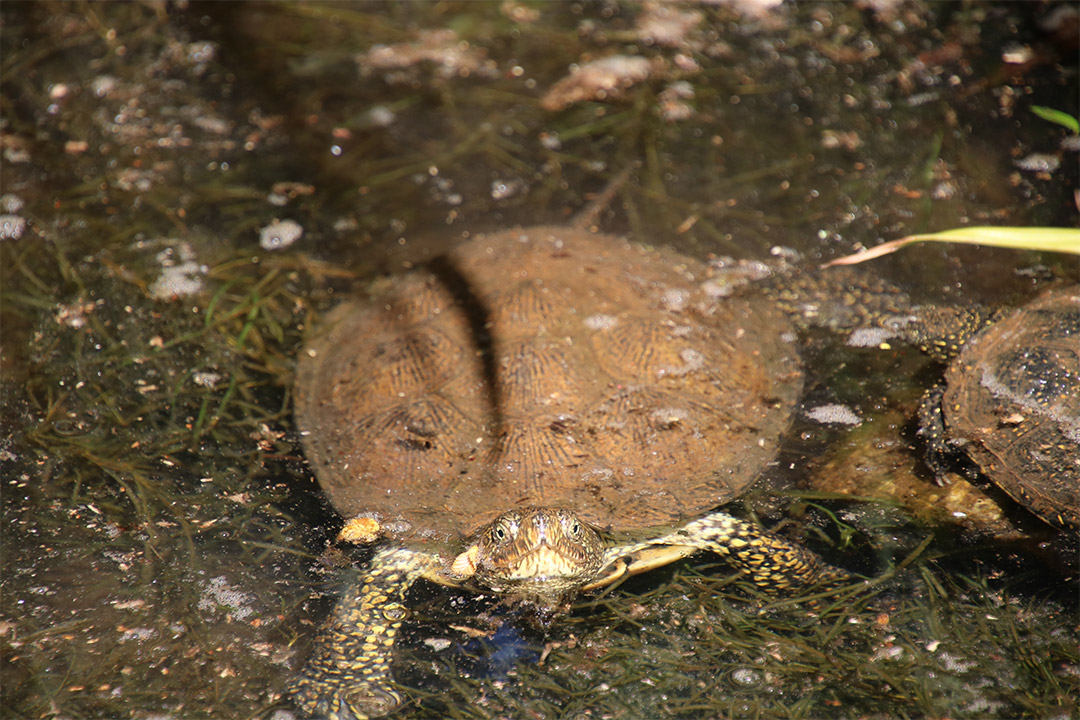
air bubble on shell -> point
(675, 299)
(692, 362)
(600, 321)
(669, 417)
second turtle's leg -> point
(774, 564)
(348, 676)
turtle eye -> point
(501, 531)
(575, 528)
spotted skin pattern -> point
(349, 675)
(772, 563)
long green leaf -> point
(1044, 239)
(1056, 116)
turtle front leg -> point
(942, 458)
(348, 675)
(774, 564)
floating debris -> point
(140, 634)
(666, 25)
(877, 337)
(280, 234)
(673, 105)
(282, 192)
(213, 124)
(451, 57)
(1039, 162)
(603, 79)
(218, 594)
(848, 140)
(733, 274)
(292, 189)
(380, 116)
(201, 52)
(834, 414)
(103, 85)
(180, 275)
(753, 8)
(437, 644)
(206, 379)
(10, 203)
(503, 189)
(16, 150)
(134, 180)
(1015, 54)
(12, 227)
(74, 315)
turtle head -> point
(539, 554)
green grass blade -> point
(1056, 116)
(1042, 239)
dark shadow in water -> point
(477, 314)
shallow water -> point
(160, 527)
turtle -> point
(1009, 406)
(502, 415)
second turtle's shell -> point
(1013, 400)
